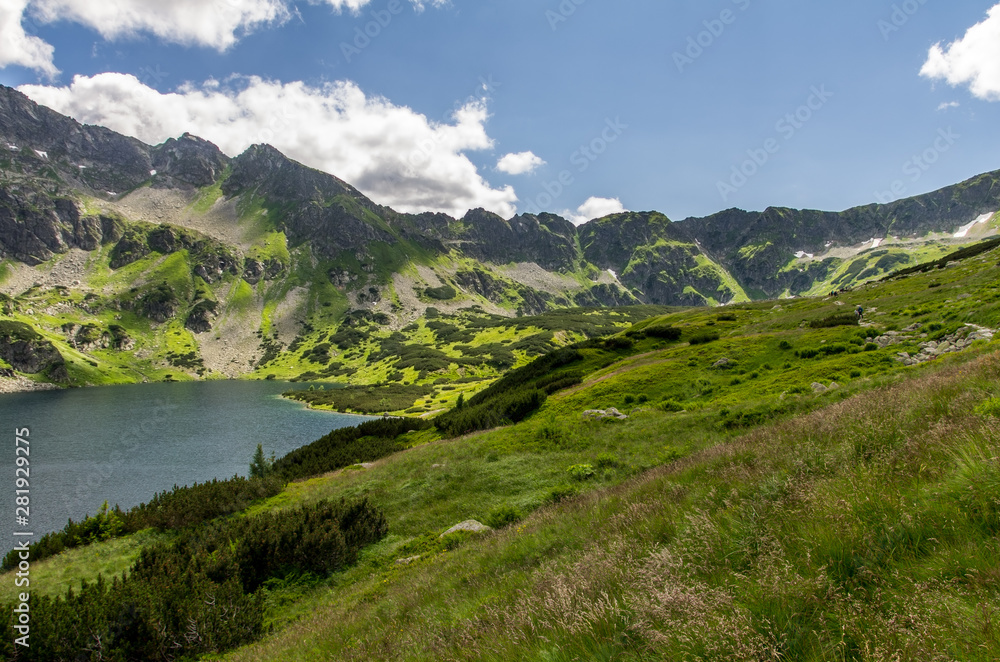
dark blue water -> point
(125, 443)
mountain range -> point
(260, 246)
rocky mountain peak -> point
(187, 161)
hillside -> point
(783, 483)
(135, 262)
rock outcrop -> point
(25, 350)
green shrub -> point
(443, 293)
(989, 407)
(618, 343)
(671, 406)
(703, 337)
(502, 516)
(669, 454)
(500, 410)
(581, 472)
(205, 581)
(346, 446)
(365, 399)
(606, 461)
(561, 493)
(842, 319)
(663, 332)
(784, 345)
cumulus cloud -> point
(593, 208)
(974, 59)
(19, 47)
(949, 105)
(393, 154)
(217, 24)
(519, 164)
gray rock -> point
(818, 388)
(600, 414)
(408, 560)
(468, 525)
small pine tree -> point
(260, 466)
(461, 401)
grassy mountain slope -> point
(739, 512)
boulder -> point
(601, 414)
(468, 525)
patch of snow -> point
(828, 244)
(964, 230)
(12, 147)
(81, 167)
(877, 242)
(152, 173)
(802, 254)
(613, 274)
(111, 193)
(42, 155)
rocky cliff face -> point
(35, 226)
(547, 240)
(312, 206)
(27, 351)
(42, 142)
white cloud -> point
(949, 105)
(19, 47)
(214, 23)
(391, 153)
(519, 164)
(594, 208)
(419, 4)
(973, 59)
(353, 6)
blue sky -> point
(682, 107)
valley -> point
(783, 480)
(175, 262)
(631, 439)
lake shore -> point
(19, 384)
